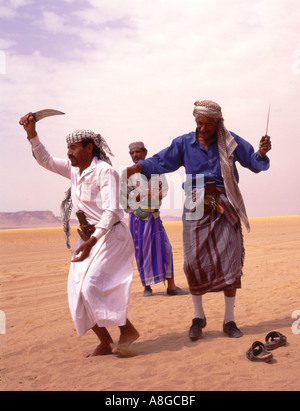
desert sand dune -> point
(40, 349)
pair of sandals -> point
(260, 352)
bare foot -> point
(128, 334)
(100, 350)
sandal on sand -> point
(274, 340)
(258, 352)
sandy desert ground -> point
(40, 349)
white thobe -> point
(99, 286)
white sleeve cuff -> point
(35, 141)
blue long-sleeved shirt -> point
(188, 152)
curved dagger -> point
(38, 115)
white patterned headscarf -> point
(226, 147)
(66, 206)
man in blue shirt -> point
(212, 241)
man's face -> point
(206, 127)
(138, 154)
(79, 155)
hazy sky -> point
(132, 70)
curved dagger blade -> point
(39, 115)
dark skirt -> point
(213, 250)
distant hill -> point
(29, 219)
(35, 219)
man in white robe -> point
(101, 269)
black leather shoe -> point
(177, 291)
(196, 329)
(231, 330)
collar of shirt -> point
(195, 141)
(88, 170)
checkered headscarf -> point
(79, 135)
(66, 206)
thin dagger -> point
(268, 121)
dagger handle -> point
(25, 118)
